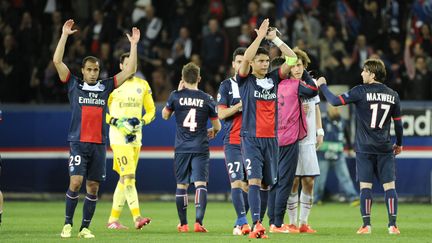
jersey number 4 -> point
(189, 120)
(374, 108)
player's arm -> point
(225, 112)
(131, 66)
(149, 107)
(168, 110)
(319, 127)
(62, 69)
(216, 127)
(287, 52)
(330, 97)
(166, 113)
(308, 88)
(397, 119)
(252, 49)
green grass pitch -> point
(42, 222)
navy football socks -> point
(391, 201)
(254, 202)
(71, 203)
(88, 210)
(200, 203)
(238, 202)
(182, 203)
(366, 205)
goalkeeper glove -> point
(122, 125)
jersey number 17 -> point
(374, 108)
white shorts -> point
(308, 162)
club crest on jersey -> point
(219, 97)
(139, 90)
(101, 87)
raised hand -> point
(262, 31)
(67, 27)
(272, 33)
(135, 35)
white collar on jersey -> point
(97, 87)
(235, 89)
(265, 83)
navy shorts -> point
(381, 165)
(260, 158)
(234, 162)
(191, 167)
(88, 160)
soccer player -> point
(307, 167)
(229, 110)
(291, 128)
(375, 155)
(192, 109)
(87, 133)
(259, 125)
(126, 103)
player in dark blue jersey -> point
(229, 110)
(258, 92)
(375, 104)
(192, 108)
(87, 133)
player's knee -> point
(256, 182)
(75, 185)
(365, 185)
(237, 184)
(200, 183)
(389, 186)
(264, 187)
(92, 187)
(183, 186)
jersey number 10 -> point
(374, 108)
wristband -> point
(320, 132)
(277, 41)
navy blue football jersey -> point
(259, 101)
(228, 96)
(192, 109)
(88, 104)
(375, 105)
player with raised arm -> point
(291, 128)
(192, 109)
(258, 92)
(127, 103)
(87, 133)
(375, 105)
(229, 110)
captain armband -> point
(291, 61)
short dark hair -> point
(262, 50)
(377, 67)
(239, 51)
(89, 59)
(190, 73)
(123, 57)
(276, 63)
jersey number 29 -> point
(189, 120)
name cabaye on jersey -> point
(91, 100)
(188, 101)
(380, 97)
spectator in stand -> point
(394, 56)
(253, 16)
(361, 51)
(185, 40)
(161, 86)
(425, 38)
(329, 44)
(371, 23)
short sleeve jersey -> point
(88, 104)
(228, 96)
(192, 109)
(259, 101)
(375, 105)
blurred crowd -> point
(337, 34)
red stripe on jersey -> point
(397, 118)
(234, 134)
(213, 118)
(115, 81)
(311, 87)
(342, 99)
(67, 78)
(91, 124)
(265, 119)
